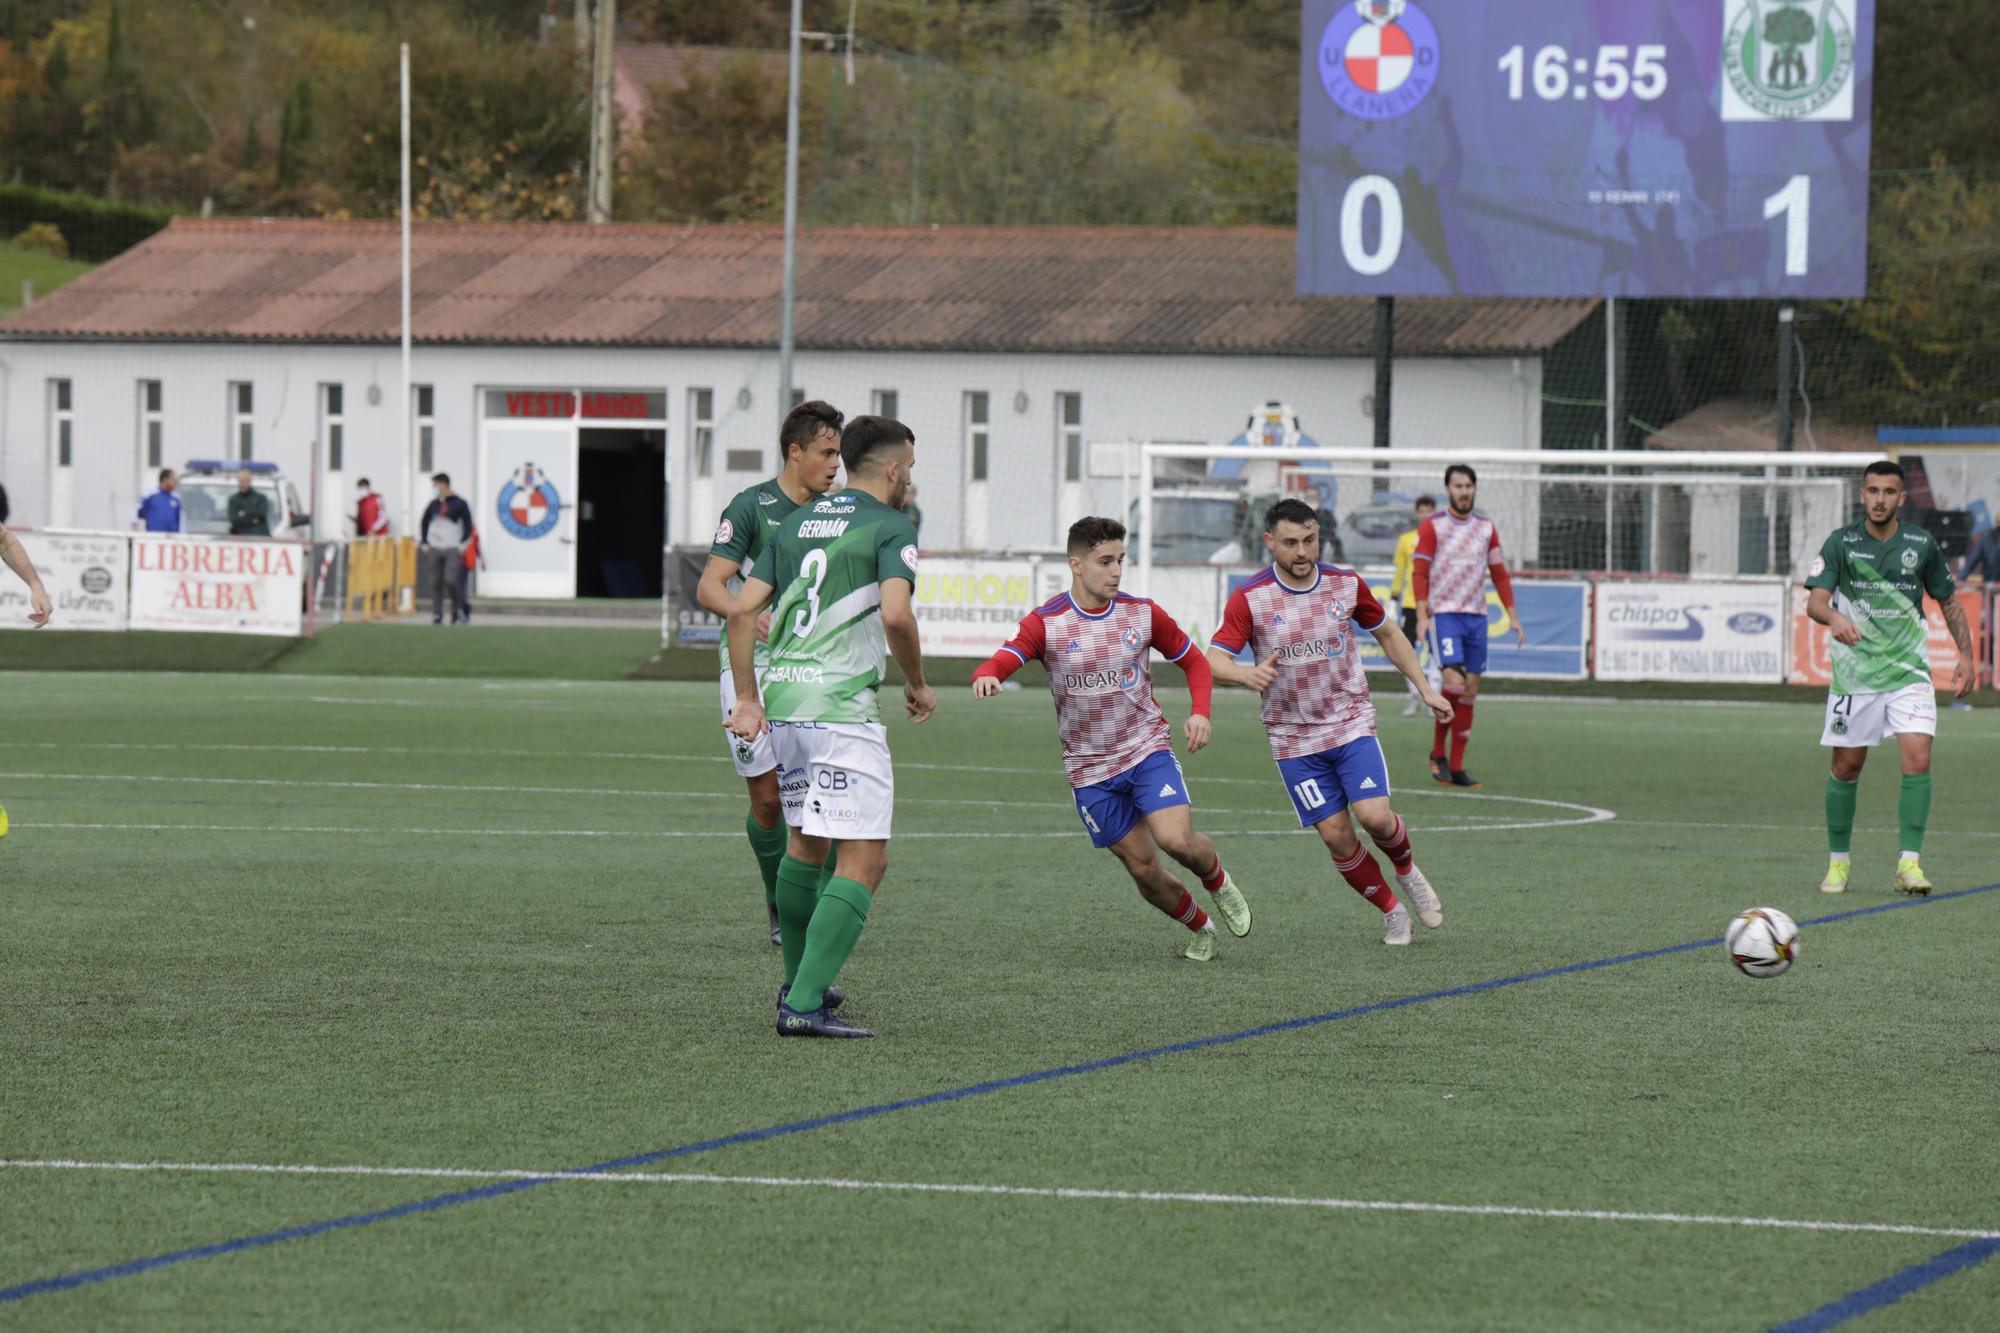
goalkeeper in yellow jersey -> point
(1403, 592)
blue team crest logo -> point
(1131, 640)
(529, 505)
(1128, 677)
(1378, 59)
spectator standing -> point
(1982, 562)
(371, 517)
(914, 514)
(161, 511)
(249, 511)
(447, 526)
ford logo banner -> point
(1751, 622)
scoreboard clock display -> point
(1713, 148)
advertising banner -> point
(1698, 631)
(969, 607)
(84, 573)
(1812, 660)
(218, 585)
(692, 623)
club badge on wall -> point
(529, 505)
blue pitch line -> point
(1892, 1288)
(262, 1240)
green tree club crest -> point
(1789, 58)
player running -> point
(1297, 619)
(1456, 550)
(1867, 586)
(1117, 747)
(809, 450)
(843, 570)
(1404, 589)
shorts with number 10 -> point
(1324, 784)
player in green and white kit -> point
(843, 570)
(809, 452)
(1867, 585)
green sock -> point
(769, 846)
(1913, 811)
(1840, 798)
(826, 872)
(798, 893)
(836, 925)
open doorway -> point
(621, 511)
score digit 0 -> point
(1389, 239)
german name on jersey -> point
(1458, 553)
(1100, 675)
(1320, 698)
(744, 532)
(1880, 586)
(827, 563)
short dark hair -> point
(361, 481)
(1426, 502)
(166, 472)
(444, 477)
(1883, 467)
(803, 424)
(867, 436)
(1087, 534)
(1288, 511)
(1470, 475)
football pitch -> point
(314, 985)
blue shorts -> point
(1324, 784)
(1461, 641)
(1110, 808)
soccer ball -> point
(1762, 942)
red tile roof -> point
(999, 289)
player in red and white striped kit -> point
(1297, 619)
(1117, 747)
(1456, 551)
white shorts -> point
(1857, 720)
(752, 758)
(835, 779)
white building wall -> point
(1491, 402)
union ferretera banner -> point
(968, 608)
(218, 584)
(1700, 631)
(84, 573)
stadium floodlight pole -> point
(409, 456)
(602, 120)
(789, 294)
(1610, 419)
(1385, 375)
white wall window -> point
(798, 396)
(978, 432)
(62, 422)
(701, 430)
(1069, 435)
(242, 433)
(883, 402)
(152, 423)
(333, 425)
(426, 409)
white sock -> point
(1907, 856)
(1839, 857)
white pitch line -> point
(517, 832)
(1065, 1194)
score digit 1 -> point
(1795, 202)
(1389, 238)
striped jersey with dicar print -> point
(826, 564)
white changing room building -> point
(597, 391)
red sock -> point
(1461, 732)
(1189, 912)
(1441, 730)
(1213, 879)
(1397, 848)
(1364, 876)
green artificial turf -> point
(45, 271)
(495, 924)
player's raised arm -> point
(16, 557)
(748, 719)
(1026, 645)
(1172, 643)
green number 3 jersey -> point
(1880, 586)
(827, 564)
(744, 532)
